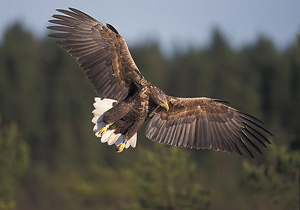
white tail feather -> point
(132, 141)
(106, 136)
(101, 107)
(113, 138)
(127, 145)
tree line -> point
(50, 158)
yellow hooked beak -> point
(166, 106)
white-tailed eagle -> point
(127, 99)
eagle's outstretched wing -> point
(205, 123)
(99, 50)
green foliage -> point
(167, 179)
(94, 186)
(14, 160)
(277, 181)
(45, 93)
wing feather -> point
(99, 50)
(199, 133)
(205, 123)
(192, 134)
(222, 136)
(185, 137)
(230, 139)
(170, 135)
(182, 134)
(218, 144)
(206, 134)
(161, 132)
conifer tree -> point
(167, 179)
(14, 160)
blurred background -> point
(244, 52)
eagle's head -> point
(160, 98)
(164, 104)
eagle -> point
(126, 99)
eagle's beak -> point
(166, 106)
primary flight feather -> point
(127, 99)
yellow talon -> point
(103, 130)
(120, 147)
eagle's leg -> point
(113, 115)
(131, 131)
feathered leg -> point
(130, 135)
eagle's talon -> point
(103, 130)
(120, 147)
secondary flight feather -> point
(127, 99)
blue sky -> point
(183, 23)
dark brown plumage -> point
(129, 99)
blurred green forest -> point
(50, 158)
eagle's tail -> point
(101, 107)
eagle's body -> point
(128, 115)
(127, 99)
